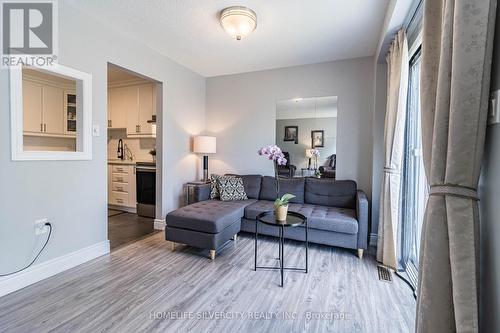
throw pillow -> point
(231, 188)
(214, 186)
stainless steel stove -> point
(146, 188)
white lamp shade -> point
(205, 144)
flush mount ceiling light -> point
(238, 21)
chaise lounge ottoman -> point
(207, 224)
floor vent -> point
(384, 274)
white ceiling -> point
(289, 32)
(312, 107)
(117, 74)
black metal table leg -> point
(282, 261)
(307, 247)
(256, 233)
(296, 219)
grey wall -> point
(72, 195)
(241, 113)
(306, 125)
(489, 188)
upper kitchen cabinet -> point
(121, 100)
(132, 107)
(147, 108)
(46, 111)
(53, 110)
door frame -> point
(159, 221)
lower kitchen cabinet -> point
(122, 186)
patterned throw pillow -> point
(214, 186)
(231, 188)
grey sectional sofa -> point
(336, 210)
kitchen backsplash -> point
(140, 148)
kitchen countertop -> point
(122, 162)
(128, 162)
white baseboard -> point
(373, 239)
(159, 224)
(51, 267)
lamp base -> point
(205, 169)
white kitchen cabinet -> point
(53, 110)
(118, 107)
(70, 112)
(122, 186)
(44, 111)
(32, 107)
(146, 108)
(131, 107)
(132, 110)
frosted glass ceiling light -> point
(238, 21)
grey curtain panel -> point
(395, 119)
(456, 61)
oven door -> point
(146, 190)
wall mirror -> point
(51, 113)
(306, 131)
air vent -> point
(384, 274)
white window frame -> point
(83, 114)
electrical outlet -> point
(40, 227)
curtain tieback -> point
(454, 190)
(392, 170)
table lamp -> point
(203, 144)
(309, 155)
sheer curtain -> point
(397, 89)
(456, 60)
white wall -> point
(72, 195)
(241, 113)
(489, 188)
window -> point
(414, 189)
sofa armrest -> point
(362, 215)
(201, 192)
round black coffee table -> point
(292, 220)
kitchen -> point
(132, 106)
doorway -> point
(134, 175)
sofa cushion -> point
(294, 186)
(329, 192)
(231, 189)
(251, 211)
(251, 184)
(318, 217)
(210, 216)
(333, 219)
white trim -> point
(129, 82)
(84, 118)
(51, 267)
(159, 224)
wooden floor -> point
(144, 287)
(124, 228)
